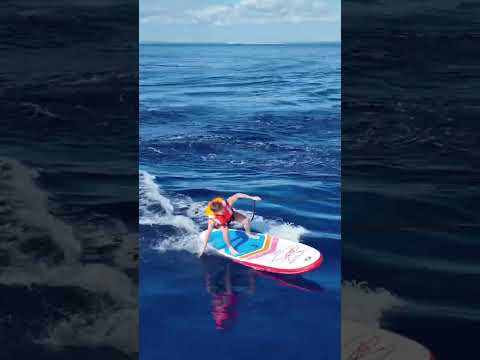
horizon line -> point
(238, 42)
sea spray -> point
(185, 218)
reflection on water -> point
(224, 297)
(227, 283)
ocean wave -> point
(29, 204)
(50, 251)
(113, 329)
(185, 218)
(37, 110)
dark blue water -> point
(220, 119)
(68, 180)
(410, 171)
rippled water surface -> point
(215, 120)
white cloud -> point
(248, 12)
(161, 19)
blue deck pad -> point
(240, 241)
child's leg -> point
(226, 238)
(244, 221)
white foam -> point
(287, 231)
(156, 150)
(103, 231)
(39, 110)
(185, 230)
(26, 215)
(30, 204)
(150, 196)
(150, 193)
(117, 329)
(95, 278)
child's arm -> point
(232, 199)
(207, 237)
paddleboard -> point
(362, 342)
(266, 252)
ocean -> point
(68, 184)
(410, 173)
(216, 119)
(220, 119)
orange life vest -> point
(225, 218)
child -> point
(221, 213)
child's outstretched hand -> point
(256, 198)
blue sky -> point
(245, 21)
